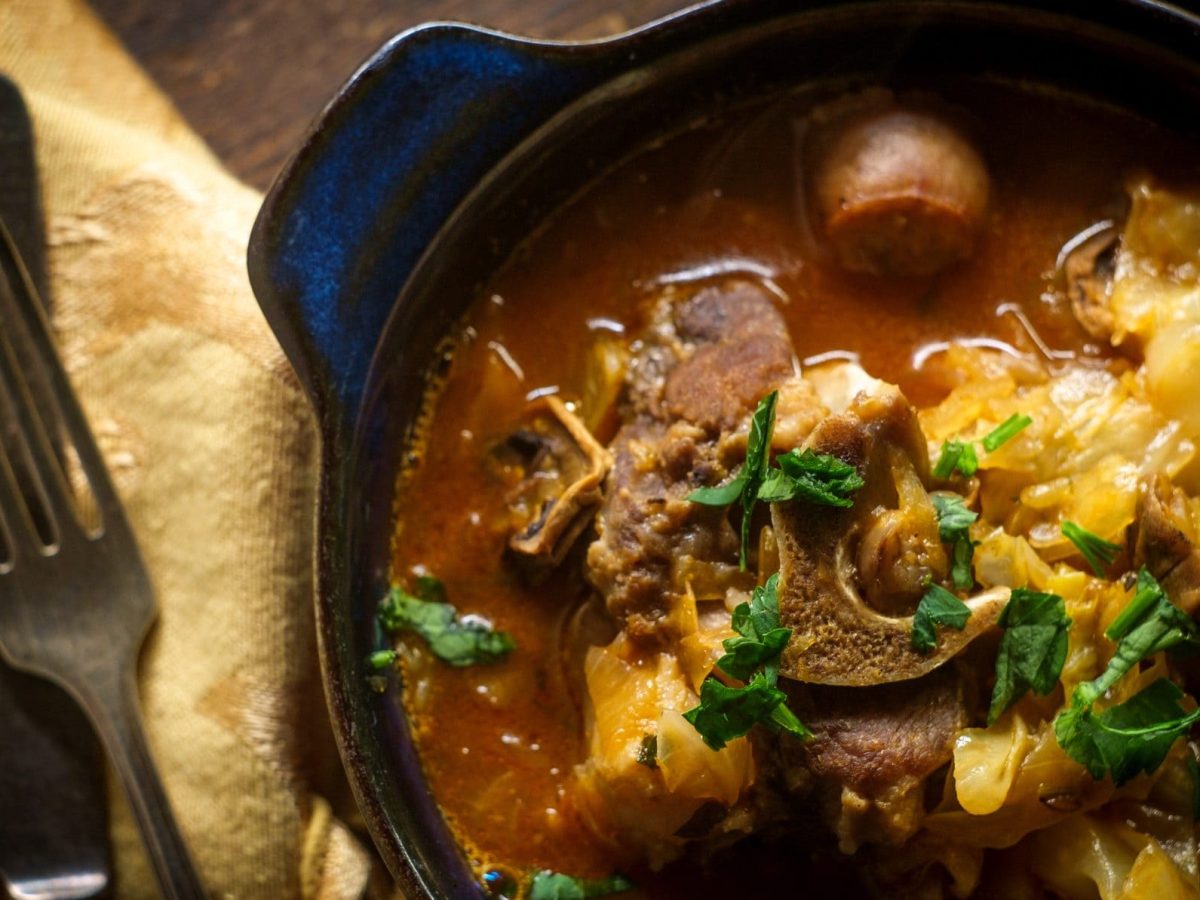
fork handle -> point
(112, 704)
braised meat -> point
(694, 381)
(872, 750)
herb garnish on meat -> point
(1032, 650)
(1098, 552)
(815, 477)
(750, 477)
(799, 475)
(727, 712)
(451, 638)
(937, 607)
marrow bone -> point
(837, 637)
(564, 471)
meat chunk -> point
(873, 749)
(648, 531)
(838, 638)
(897, 191)
(695, 377)
(741, 351)
(709, 358)
(1088, 264)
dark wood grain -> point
(251, 74)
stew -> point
(810, 503)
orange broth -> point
(499, 742)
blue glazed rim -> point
(424, 143)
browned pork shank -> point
(872, 750)
(694, 380)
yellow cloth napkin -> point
(213, 450)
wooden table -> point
(251, 74)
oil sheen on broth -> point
(717, 201)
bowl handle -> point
(383, 167)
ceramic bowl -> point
(453, 142)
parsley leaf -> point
(815, 477)
(1136, 735)
(450, 638)
(1098, 552)
(727, 712)
(956, 455)
(1032, 650)
(743, 655)
(800, 475)
(752, 473)
(547, 885)
(761, 638)
(1149, 624)
(937, 607)
(382, 659)
(1006, 431)
(954, 524)
(1132, 737)
(721, 495)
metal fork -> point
(75, 601)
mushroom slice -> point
(563, 475)
(1087, 262)
(1165, 541)
(837, 637)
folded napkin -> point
(212, 447)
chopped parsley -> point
(1149, 624)
(1005, 432)
(1136, 735)
(761, 638)
(958, 455)
(961, 456)
(452, 639)
(1032, 650)
(815, 477)
(1132, 737)
(727, 712)
(382, 659)
(954, 524)
(800, 475)
(937, 607)
(547, 885)
(1098, 552)
(745, 486)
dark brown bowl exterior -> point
(453, 142)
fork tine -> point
(20, 533)
(46, 492)
(32, 316)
